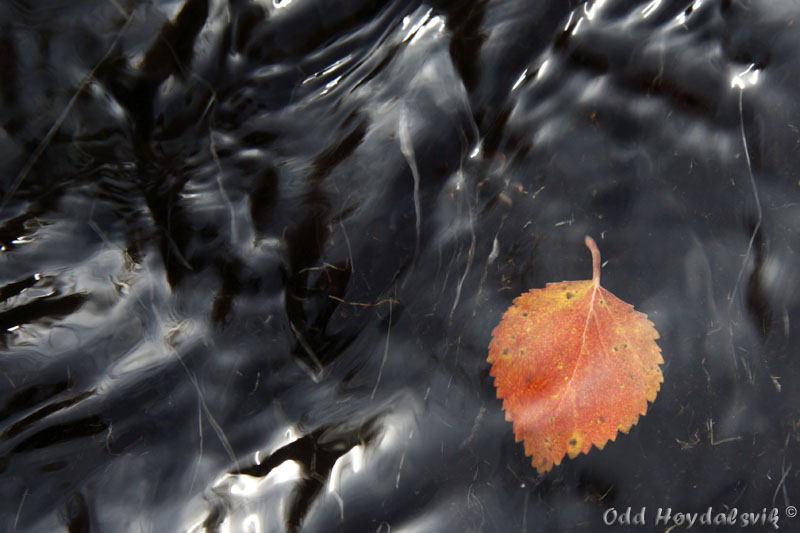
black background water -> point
(253, 252)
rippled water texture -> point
(252, 254)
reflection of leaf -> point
(573, 364)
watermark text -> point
(668, 517)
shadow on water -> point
(253, 253)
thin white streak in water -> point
(591, 10)
(211, 420)
(349, 250)
(341, 505)
(784, 473)
(470, 255)
(119, 8)
(520, 80)
(493, 255)
(569, 20)
(407, 148)
(400, 471)
(495, 251)
(525, 513)
(315, 376)
(225, 197)
(385, 352)
(650, 8)
(577, 25)
(416, 26)
(19, 509)
(475, 426)
(543, 69)
(732, 295)
(200, 455)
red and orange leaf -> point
(573, 365)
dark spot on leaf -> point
(569, 295)
(573, 442)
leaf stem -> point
(595, 259)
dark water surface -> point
(252, 252)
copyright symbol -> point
(791, 511)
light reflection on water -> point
(249, 282)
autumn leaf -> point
(573, 365)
